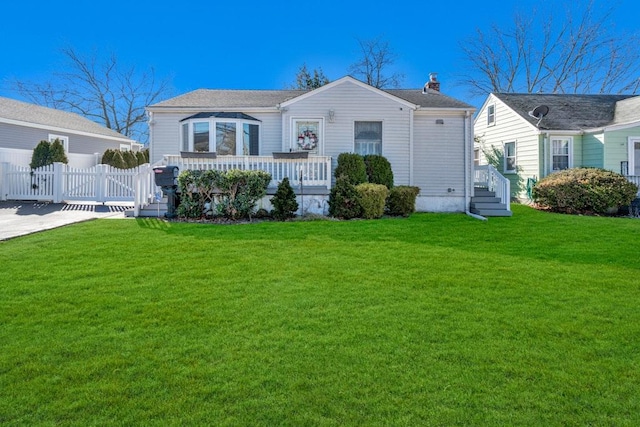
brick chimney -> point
(433, 82)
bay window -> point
(226, 134)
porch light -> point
(332, 116)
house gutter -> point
(467, 167)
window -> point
(491, 115)
(125, 147)
(510, 157)
(225, 138)
(560, 154)
(308, 134)
(368, 138)
(185, 137)
(476, 157)
(201, 136)
(64, 140)
(236, 134)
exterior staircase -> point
(485, 203)
(153, 210)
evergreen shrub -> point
(584, 191)
(379, 170)
(284, 201)
(344, 199)
(352, 166)
(402, 200)
(372, 199)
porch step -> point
(485, 203)
(153, 210)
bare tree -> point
(374, 65)
(307, 81)
(101, 90)
(580, 54)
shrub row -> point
(584, 190)
(364, 189)
(125, 159)
(232, 194)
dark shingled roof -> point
(36, 114)
(221, 115)
(566, 112)
(430, 99)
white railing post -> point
(58, 181)
(4, 172)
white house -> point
(426, 136)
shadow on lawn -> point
(529, 234)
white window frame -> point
(505, 166)
(569, 139)
(491, 116)
(212, 133)
(353, 132)
(125, 147)
(476, 156)
(293, 142)
(632, 141)
(63, 139)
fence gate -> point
(58, 182)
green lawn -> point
(432, 320)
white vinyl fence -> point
(59, 182)
(21, 157)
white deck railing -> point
(315, 170)
(634, 179)
(487, 176)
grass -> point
(431, 320)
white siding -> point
(438, 155)
(351, 103)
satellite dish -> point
(539, 112)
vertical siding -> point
(510, 127)
(26, 138)
(616, 147)
(438, 154)
(351, 103)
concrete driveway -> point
(22, 218)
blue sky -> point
(257, 44)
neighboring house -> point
(24, 125)
(425, 135)
(569, 131)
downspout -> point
(411, 146)
(467, 167)
(151, 145)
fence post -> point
(101, 182)
(58, 181)
(4, 171)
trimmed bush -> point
(125, 159)
(284, 201)
(40, 156)
(372, 199)
(584, 191)
(344, 199)
(402, 200)
(352, 166)
(56, 152)
(47, 153)
(197, 190)
(239, 191)
(141, 157)
(378, 170)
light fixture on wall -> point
(439, 121)
(332, 116)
